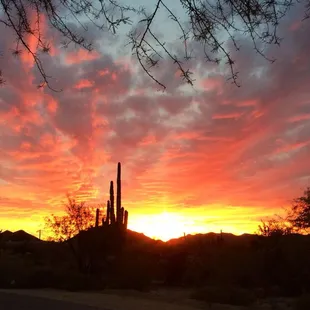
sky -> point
(194, 159)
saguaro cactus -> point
(122, 215)
(126, 219)
(118, 194)
(112, 202)
(97, 218)
(108, 220)
(120, 219)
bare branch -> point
(212, 23)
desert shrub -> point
(36, 277)
(291, 287)
(302, 303)
(75, 281)
(224, 295)
(131, 272)
(272, 291)
(13, 270)
(175, 266)
(17, 271)
(132, 280)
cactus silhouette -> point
(121, 218)
(108, 212)
(122, 215)
(112, 202)
(118, 194)
(126, 219)
(97, 218)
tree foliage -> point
(71, 228)
(78, 217)
(296, 219)
(299, 215)
(211, 23)
(274, 227)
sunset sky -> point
(194, 159)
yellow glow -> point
(162, 226)
(169, 224)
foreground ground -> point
(115, 300)
(12, 301)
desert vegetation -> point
(92, 251)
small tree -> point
(274, 227)
(296, 220)
(299, 214)
(78, 217)
(69, 227)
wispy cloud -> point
(240, 153)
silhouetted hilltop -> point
(133, 236)
(206, 238)
(17, 236)
(104, 257)
(136, 239)
(6, 234)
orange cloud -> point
(81, 55)
(37, 24)
(83, 84)
(298, 118)
(219, 157)
(226, 116)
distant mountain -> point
(17, 236)
(134, 239)
(211, 238)
(140, 237)
(5, 235)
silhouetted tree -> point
(207, 22)
(296, 219)
(299, 214)
(69, 227)
(274, 227)
(78, 217)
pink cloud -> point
(83, 84)
(80, 56)
(227, 116)
(231, 147)
(298, 118)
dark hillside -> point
(18, 236)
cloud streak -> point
(217, 154)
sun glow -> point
(162, 226)
(213, 218)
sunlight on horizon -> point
(167, 225)
(162, 226)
